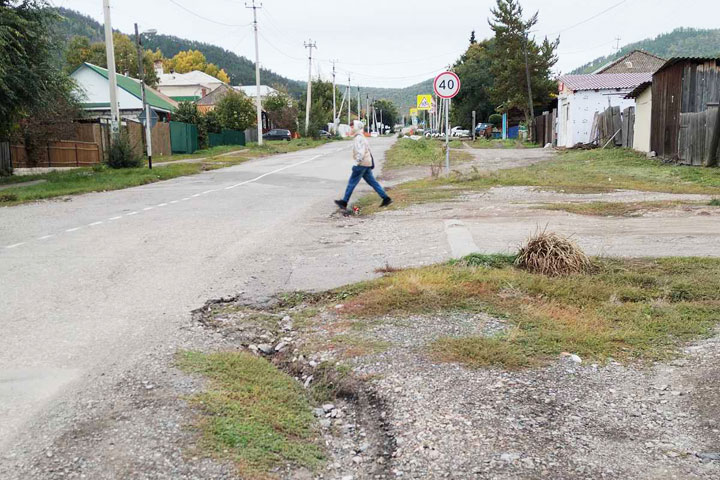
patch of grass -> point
(255, 415)
(499, 143)
(613, 209)
(589, 171)
(495, 260)
(625, 309)
(424, 152)
(715, 202)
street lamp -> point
(145, 105)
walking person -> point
(364, 164)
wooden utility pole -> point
(309, 45)
(530, 97)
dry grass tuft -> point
(553, 255)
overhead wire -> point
(178, 4)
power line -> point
(588, 19)
(177, 4)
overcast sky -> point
(395, 43)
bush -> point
(121, 154)
(496, 120)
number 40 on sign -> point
(446, 85)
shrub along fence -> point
(183, 137)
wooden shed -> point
(685, 96)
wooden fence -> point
(699, 137)
(544, 128)
(613, 127)
(58, 154)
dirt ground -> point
(419, 419)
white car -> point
(459, 132)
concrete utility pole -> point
(334, 101)
(258, 100)
(473, 126)
(530, 99)
(145, 106)
(110, 52)
(358, 104)
(349, 99)
(309, 45)
(367, 112)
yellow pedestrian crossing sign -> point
(424, 102)
(413, 112)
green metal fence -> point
(183, 137)
(227, 137)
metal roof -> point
(131, 85)
(675, 60)
(638, 90)
(606, 81)
(194, 77)
(251, 90)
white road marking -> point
(118, 217)
(460, 239)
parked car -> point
(459, 132)
(484, 130)
(278, 134)
(324, 134)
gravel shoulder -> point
(412, 417)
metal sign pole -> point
(447, 136)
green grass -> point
(254, 414)
(615, 209)
(424, 152)
(495, 143)
(637, 309)
(715, 202)
(593, 171)
(101, 178)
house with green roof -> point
(95, 88)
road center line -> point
(115, 218)
(95, 223)
(131, 213)
(73, 229)
(15, 245)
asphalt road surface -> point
(88, 283)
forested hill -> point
(679, 42)
(240, 69)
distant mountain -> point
(240, 69)
(679, 42)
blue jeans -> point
(359, 172)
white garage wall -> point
(580, 108)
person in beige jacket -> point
(364, 164)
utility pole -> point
(258, 100)
(530, 99)
(358, 104)
(473, 126)
(367, 112)
(145, 105)
(110, 52)
(309, 45)
(617, 45)
(349, 99)
(334, 101)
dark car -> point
(324, 134)
(278, 134)
(484, 130)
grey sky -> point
(396, 43)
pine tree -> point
(510, 89)
(472, 38)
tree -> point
(189, 60)
(80, 50)
(32, 88)
(236, 111)
(510, 87)
(320, 108)
(473, 41)
(186, 112)
(473, 68)
(389, 111)
(281, 110)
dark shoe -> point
(341, 203)
(386, 201)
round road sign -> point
(446, 85)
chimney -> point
(159, 67)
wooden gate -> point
(699, 136)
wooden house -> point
(685, 98)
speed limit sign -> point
(446, 85)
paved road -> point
(88, 283)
